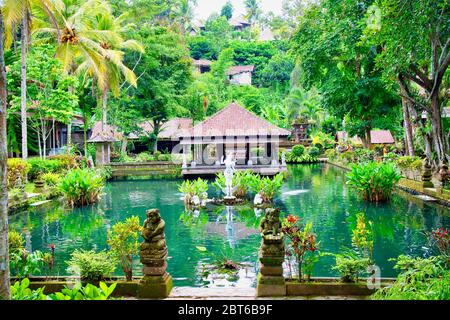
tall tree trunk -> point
(406, 105)
(437, 132)
(104, 109)
(4, 255)
(23, 83)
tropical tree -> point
(4, 261)
(253, 10)
(227, 10)
(19, 12)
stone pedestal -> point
(156, 283)
(270, 280)
(427, 176)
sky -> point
(206, 7)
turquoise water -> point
(315, 192)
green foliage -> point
(314, 151)
(241, 180)
(190, 189)
(302, 241)
(20, 291)
(363, 155)
(88, 292)
(373, 181)
(362, 236)
(409, 163)
(123, 240)
(15, 242)
(306, 158)
(420, 279)
(350, 266)
(14, 166)
(24, 263)
(324, 139)
(266, 187)
(91, 265)
(40, 166)
(298, 150)
(51, 179)
(81, 186)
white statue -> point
(184, 165)
(228, 173)
(258, 200)
(283, 159)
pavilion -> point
(253, 143)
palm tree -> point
(253, 10)
(306, 104)
(4, 260)
(19, 11)
(183, 13)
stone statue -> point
(283, 159)
(271, 224)
(228, 173)
(156, 282)
(271, 256)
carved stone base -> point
(155, 287)
(270, 286)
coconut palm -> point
(19, 12)
(115, 69)
(253, 10)
(305, 104)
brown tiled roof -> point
(110, 134)
(238, 22)
(169, 130)
(376, 137)
(239, 69)
(235, 120)
(201, 63)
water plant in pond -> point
(419, 279)
(241, 180)
(362, 236)
(267, 188)
(24, 263)
(302, 241)
(81, 186)
(91, 265)
(440, 238)
(195, 192)
(373, 181)
(123, 240)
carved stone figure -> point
(271, 256)
(427, 175)
(156, 281)
(271, 223)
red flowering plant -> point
(302, 241)
(441, 239)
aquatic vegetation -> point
(373, 181)
(350, 265)
(241, 180)
(195, 192)
(362, 236)
(81, 187)
(266, 187)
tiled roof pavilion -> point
(235, 120)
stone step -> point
(211, 293)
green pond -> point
(317, 193)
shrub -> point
(409, 163)
(374, 181)
(298, 150)
(165, 157)
(144, 157)
(15, 242)
(91, 265)
(314, 151)
(51, 179)
(364, 155)
(123, 240)
(420, 279)
(40, 166)
(66, 161)
(350, 266)
(81, 186)
(301, 240)
(15, 165)
(330, 154)
(24, 263)
(323, 139)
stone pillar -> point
(156, 283)
(271, 256)
(427, 175)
